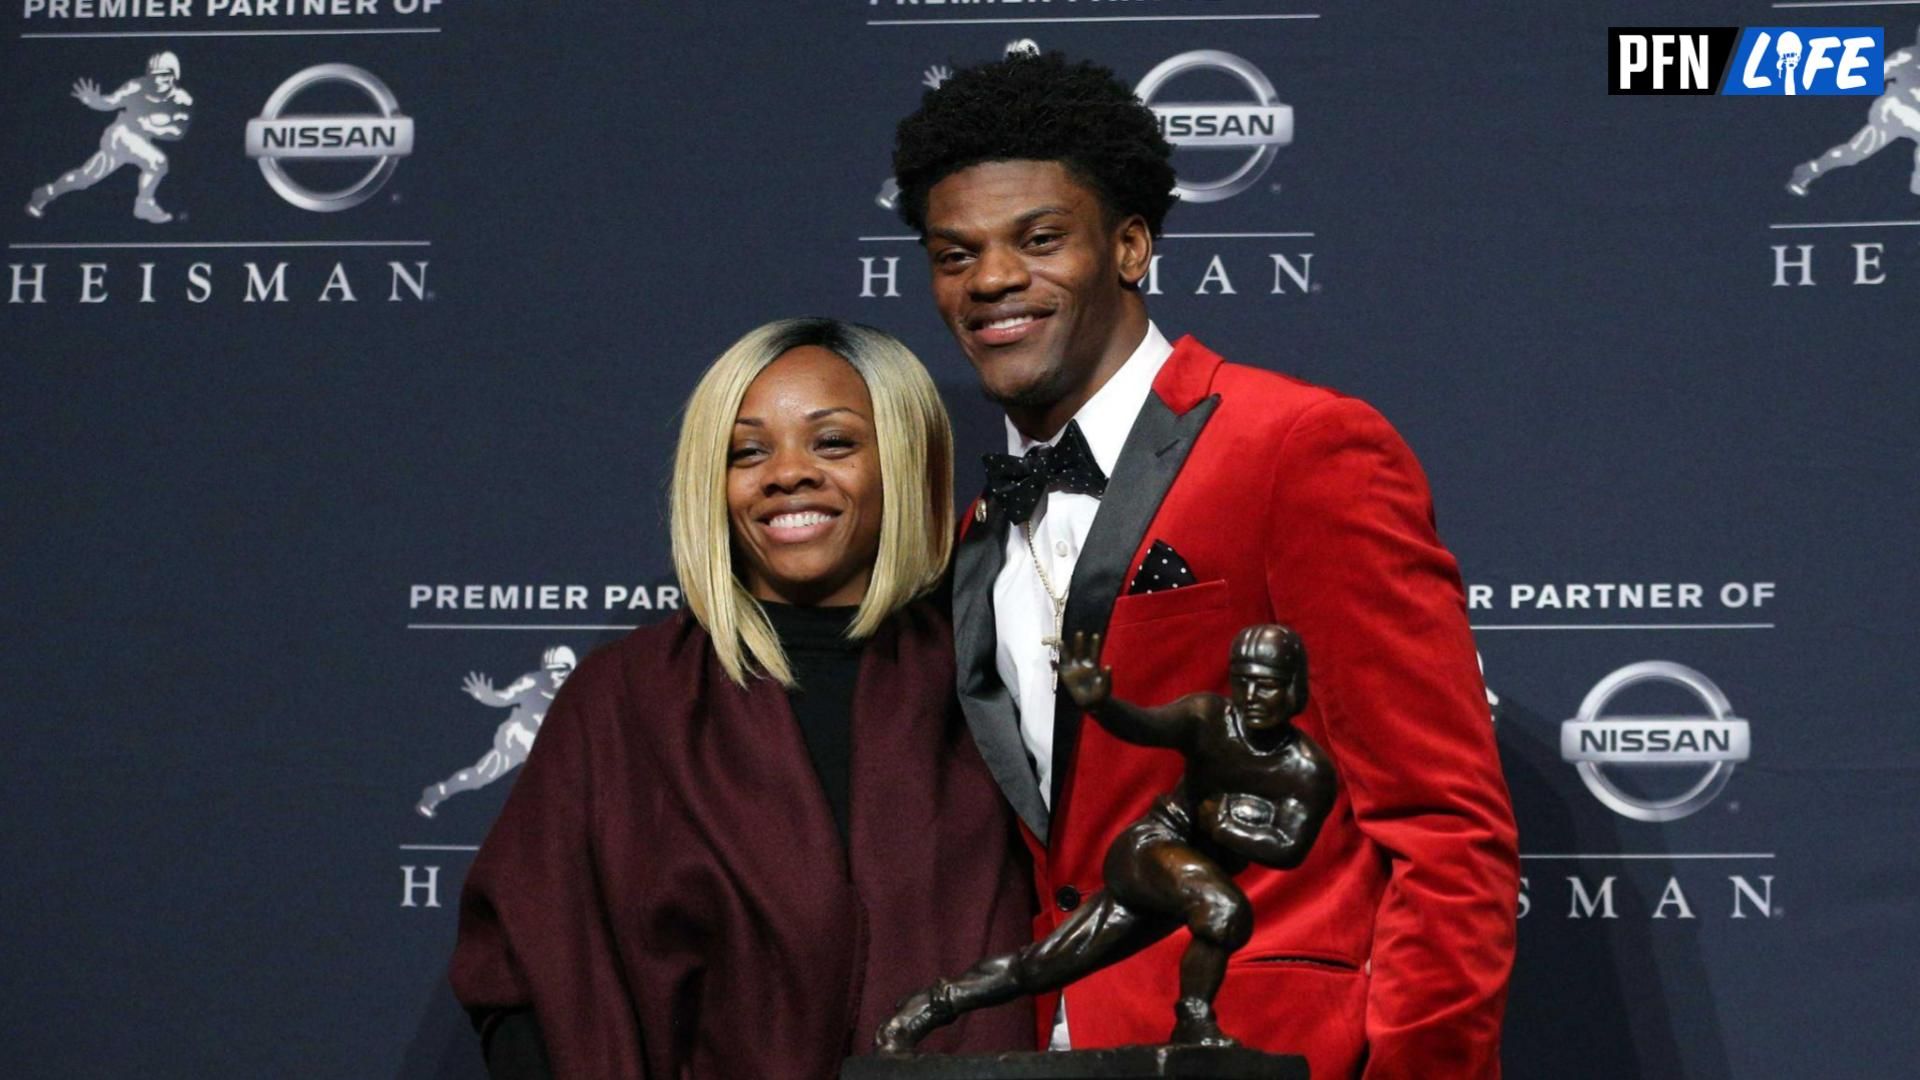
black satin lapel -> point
(988, 705)
(1155, 450)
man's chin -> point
(1030, 389)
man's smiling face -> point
(1035, 283)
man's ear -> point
(1133, 249)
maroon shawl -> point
(667, 889)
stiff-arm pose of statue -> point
(151, 109)
(529, 697)
(1256, 790)
(1895, 114)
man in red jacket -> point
(1163, 498)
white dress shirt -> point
(1022, 611)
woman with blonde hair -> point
(746, 831)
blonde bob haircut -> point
(915, 441)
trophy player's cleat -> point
(148, 210)
(1195, 1024)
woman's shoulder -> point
(669, 639)
(923, 627)
(671, 648)
(641, 656)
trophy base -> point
(1122, 1063)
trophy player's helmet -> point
(163, 62)
(559, 658)
(1270, 646)
(1271, 650)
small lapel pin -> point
(980, 512)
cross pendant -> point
(1053, 657)
(1054, 642)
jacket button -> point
(1067, 897)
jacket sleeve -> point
(534, 931)
(1355, 562)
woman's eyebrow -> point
(754, 421)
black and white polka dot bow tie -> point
(1018, 484)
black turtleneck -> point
(826, 665)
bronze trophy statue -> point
(1256, 790)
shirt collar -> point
(1108, 415)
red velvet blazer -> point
(667, 889)
(1389, 949)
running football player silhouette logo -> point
(529, 696)
(152, 109)
(1895, 114)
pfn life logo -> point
(1778, 61)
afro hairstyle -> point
(1029, 107)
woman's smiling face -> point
(803, 482)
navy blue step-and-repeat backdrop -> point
(327, 447)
